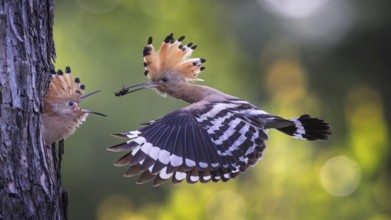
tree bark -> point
(30, 179)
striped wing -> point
(212, 144)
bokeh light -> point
(340, 176)
(319, 22)
(285, 80)
(293, 8)
(309, 57)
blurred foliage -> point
(329, 60)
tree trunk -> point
(30, 179)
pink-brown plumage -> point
(172, 57)
(215, 138)
(61, 114)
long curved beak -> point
(89, 111)
(92, 112)
(89, 94)
(137, 87)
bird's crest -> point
(63, 86)
(173, 57)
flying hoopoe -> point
(61, 114)
(214, 138)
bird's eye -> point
(71, 103)
(165, 79)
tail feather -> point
(307, 128)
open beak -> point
(92, 112)
(89, 111)
(137, 87)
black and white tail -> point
(307, 128)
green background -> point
(330, 59)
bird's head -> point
(169, 68)
(65, 95)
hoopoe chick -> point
(215, 138)
(61, 114)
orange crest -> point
(62, 86)
(172, 57)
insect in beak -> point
(137, 87)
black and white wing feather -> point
(210, 144)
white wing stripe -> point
(154, 154)
(164, 157)
(194, 178)
(217, 108)
(180, 175)
(231, 130)
(241, 139)
(164, 175)
(218, 122)
(175, 160)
